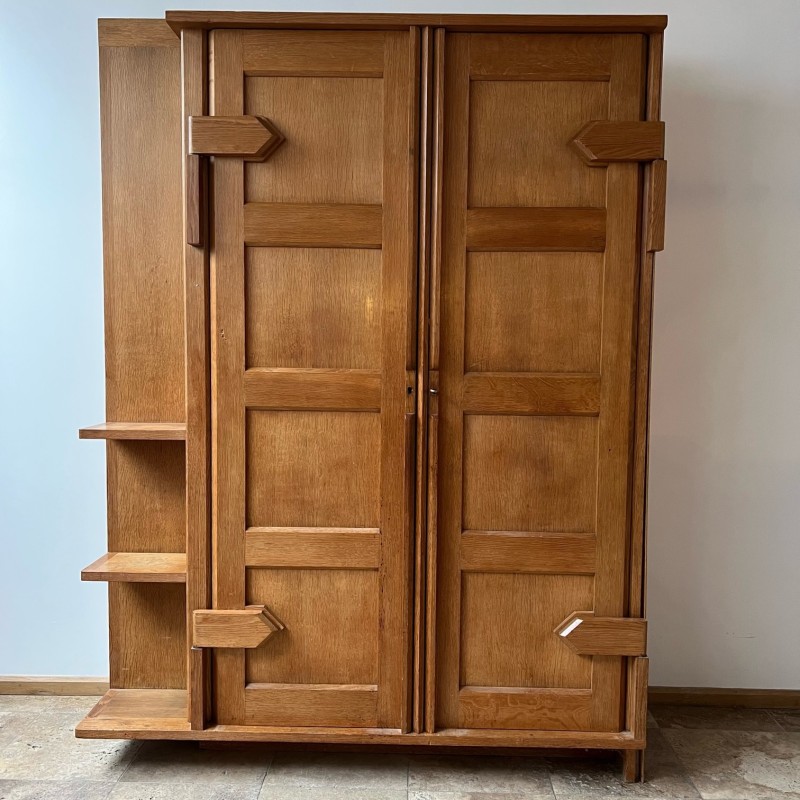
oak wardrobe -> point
(377, 310)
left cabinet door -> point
(312, 335)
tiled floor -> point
(715, 754)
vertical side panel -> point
(140, 120)
(423, 306)
(451, 427)
(198, 417)
(228, 363)
(432, 388)
(616, 388)
(399, 282)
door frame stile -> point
(227, 376)
(194, 98)
(424, 136)
(432, 390)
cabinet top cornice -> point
(496, 23)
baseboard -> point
(52, 685)
(744, 698)
(657, 695)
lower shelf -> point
(139, 710)
(162, 714)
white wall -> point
(725, 457)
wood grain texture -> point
(310, 469)
(137, 567)
(556, 57)
(321, 225)
(533, 312)
(151, 431)
(313, 308)
(140, 121)
(321, 548)
(307, 704)
(334, 145)
(352, 54)
(515, 551)
(532, 167)
(249, 137)
(656, 206)
(602, 141)
(515, 23)
(536, 229)
(331, 618)
(313, 389)
(508, 620)
(147, 635)
(510, 708)
(194, 75)
(135, 33)
(531, 393)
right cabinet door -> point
(537, 274)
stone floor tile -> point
(185, 762)
(651, 720)
(338, 770)
(713, 718)
(740, 765)
(480, 774)
(428, 795)
(45, 748)
(587, 779)
(45, 703)
(182, 791)
(55, 790)
(788, 719)
(280, 791)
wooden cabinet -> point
(378, 293)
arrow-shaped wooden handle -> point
(248, 627)
(602, 141)
(247, 137)
(589, 635)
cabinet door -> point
(538, 274)
(312, 293)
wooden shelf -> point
(158, 431)
(122, 712)
(138, 568)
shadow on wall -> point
(725, 452)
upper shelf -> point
(138, 568)
(175, 431)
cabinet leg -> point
(632, 766)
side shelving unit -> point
(145, 566)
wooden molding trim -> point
(602, 141)
(589, 635)
(248, 627)
(53, 685)
(247, 137)
(656, 206)
(728, 698)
